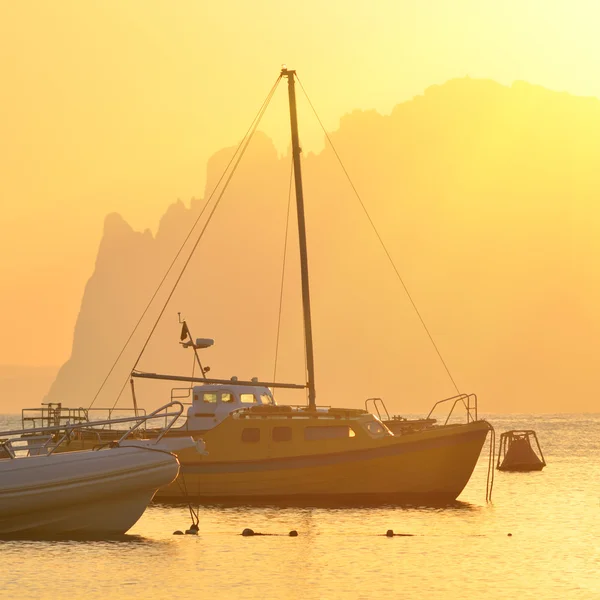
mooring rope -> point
(194, 514)
(491, 467)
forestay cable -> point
(209, 218)
(287, 226)
(237, 154)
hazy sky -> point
(117, 105)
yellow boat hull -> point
(432, 466)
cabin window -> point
(266, 399)
(251, 435)
(334, 432)
(248, 398)
(209, 397)
(375, 428)
(282, 434)
(226, 397)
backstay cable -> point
(380, 239)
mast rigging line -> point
(210, 215)
(387, 253)
(287, 227)
(239, 152)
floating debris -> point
(516, 454)
(390, 533)
(178, 532)
(250, 532)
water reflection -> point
(312, 503)
(461, 550)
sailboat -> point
(261, 451)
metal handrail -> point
(376, 408)
(69, 428)
(166, 428)
(257, 411)
(55, 415)
(465, 399)
(175, 396)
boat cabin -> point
(211, 403)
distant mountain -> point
(22, 386)
(487, 199)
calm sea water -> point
(461, 551)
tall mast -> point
(310, 363)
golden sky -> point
(117, 105)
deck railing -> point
(54, 414)
(35, 442)
(469, 401)
(377, 406)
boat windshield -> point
(375, 428)
(266, 399)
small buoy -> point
(389, 533)
(248, 532)
(516, 451)
(293, 533)
(178, 532)
(509, 534)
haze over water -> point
(471, 129)
(462, 551)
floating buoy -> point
(193, 530)
(178, 532)
(293, 533)
(509, 534)
(389, 533)
(516, 454)
(248, 532)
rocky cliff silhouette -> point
(486, 197)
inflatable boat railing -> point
(56, 435)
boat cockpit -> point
(211, 403)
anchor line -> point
(491, 471)
(235, 160)
(380, 239)
(194, 513)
